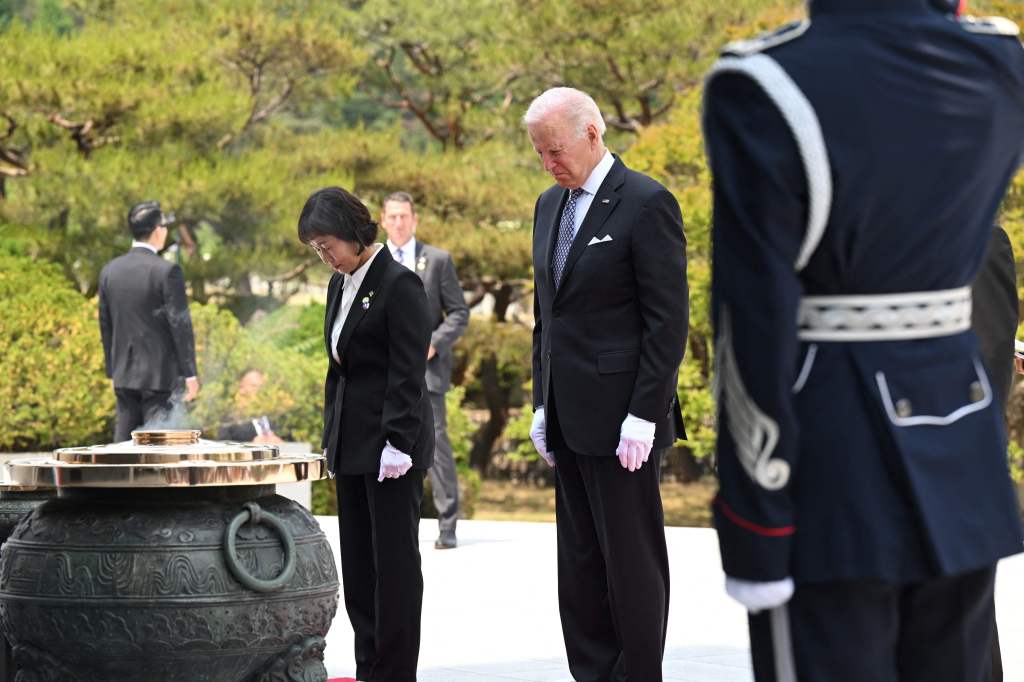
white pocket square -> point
(602, 240)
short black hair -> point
(335, 212)
(144, 218)
(400, 198)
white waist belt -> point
(885, 317)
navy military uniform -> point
(859, 160)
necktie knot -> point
(398, 254)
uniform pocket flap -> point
(936, 395)
(615, 361)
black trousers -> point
(135, 407)
(613, 579)
(380, 570)
(936, 631)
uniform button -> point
(977, 393)
(903, 409)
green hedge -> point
(53, 389)
(225, 350)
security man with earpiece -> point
(859, 160)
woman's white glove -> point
(636, 438)
(538, 434)
(393, 463)
(759, 596)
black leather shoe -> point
(445, 542)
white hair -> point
(575, 107)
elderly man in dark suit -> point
(449, 316)
(611, 314)
(145, 324)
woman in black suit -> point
(378, 429)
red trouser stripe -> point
(780, 532)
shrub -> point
(292, 394)
(53, 388)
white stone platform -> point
(490, 611)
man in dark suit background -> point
(255, 427)
(611, 315)
(449, 315)
(145, 324)
(994, 313)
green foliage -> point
(460, 433)
(508, 346)
(324, 498)
(197, 104)
(443, 62)
(632, 56)
(53, 387)
(299, 329)
(517, 432)
(293, 391)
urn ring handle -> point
(253, 513)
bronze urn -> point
(167, 558)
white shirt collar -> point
(357, 277)
(599, 173)
(144, 245)
(408, 248)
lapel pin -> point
(605, 201)
(366, 301)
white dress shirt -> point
(590, 188)
(408, 258)
(350, 287)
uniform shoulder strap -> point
(803, 123)
(767, 40)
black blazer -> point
(145, 323)
(378, 392)
(994, 310)
(611, 340)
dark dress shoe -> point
(445, 542)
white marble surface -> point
(490, 609)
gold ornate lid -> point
(165, 459)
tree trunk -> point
(497, 403)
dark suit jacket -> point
(242, 432)
(994, 311)
(378, 392)
(446, 308)
(245, 431)
(145, 323)
(610, 341)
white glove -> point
(538, 434)
(393, 463)
(636, 438)
(758, 596)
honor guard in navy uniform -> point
(859, 159)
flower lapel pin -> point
(366, 301)
(421, 264)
